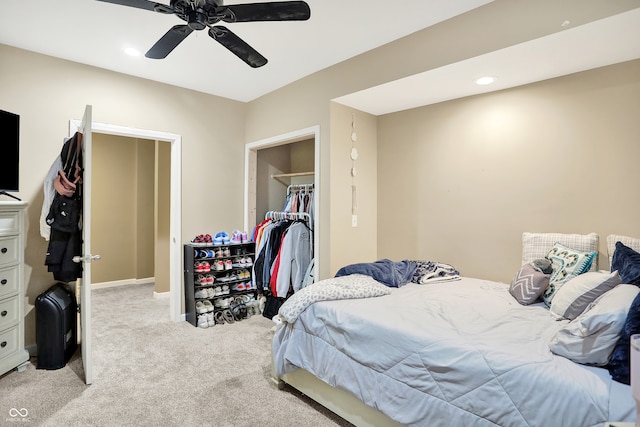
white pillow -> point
(537, 245)
(591, 337)
(574, 296)
(630, 242)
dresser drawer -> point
(8, 342)
(8, 250)
(8, 312)
(9, 223)
(8, 281)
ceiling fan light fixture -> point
(485, 80)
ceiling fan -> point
(200, 14)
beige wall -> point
(123, 197)
(306, 102)
(162, 224)
(48, 92)
(353, 244)
(460, 181)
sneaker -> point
(221, 238)
(226, 252)
(236, 237)
(198, 267)
(217, 291)
(209, 278)
(248, 261)
(200, 308)
(228, 265)
(210, 319)
(219, 253)
(239, 287)
(206, 267)
(207, 306)
(225, 290)
(203, 321)
(244, 237)
(219, 265)
(200, 240)
(201, 293)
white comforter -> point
(463, 353)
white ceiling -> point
(600, 43)
(95, 33)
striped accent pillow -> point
(538, 245)
(576, 294)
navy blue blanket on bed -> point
(391, 273)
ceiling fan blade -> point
(142, 4)
(237, 46)
(275, 11)
(168, 42)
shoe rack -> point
(217, 278)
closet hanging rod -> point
(287, 215)
(283, 175)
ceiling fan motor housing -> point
(197, 19)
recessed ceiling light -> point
(486, 80)
(131, 51)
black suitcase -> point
(56, 326)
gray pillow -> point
(529, 282)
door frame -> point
(175, 222)
(250, 179)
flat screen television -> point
(9, 152)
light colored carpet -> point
(149, 371)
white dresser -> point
(12, 245)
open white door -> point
(85, 282)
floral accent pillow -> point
(567, 263)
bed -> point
(454, 352)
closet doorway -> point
(271, 165)
(165, 215)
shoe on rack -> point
(219, 265)
(200, 308)
(207, 306)
(218, 317)
(221, 238)
(201, 294)
(203, 322)
(244, 237)
(228, 265)
(210, 320)
(226, 252)
(236, 237)
(219, 253)
(239, 287)
(225, 290)
(209, 278)
(248, 261)
(200, 240)
(198, 267)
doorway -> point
(175, 211)
(251, 179)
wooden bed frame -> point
(338, 401)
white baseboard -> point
(125, 282)
(161, 295)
